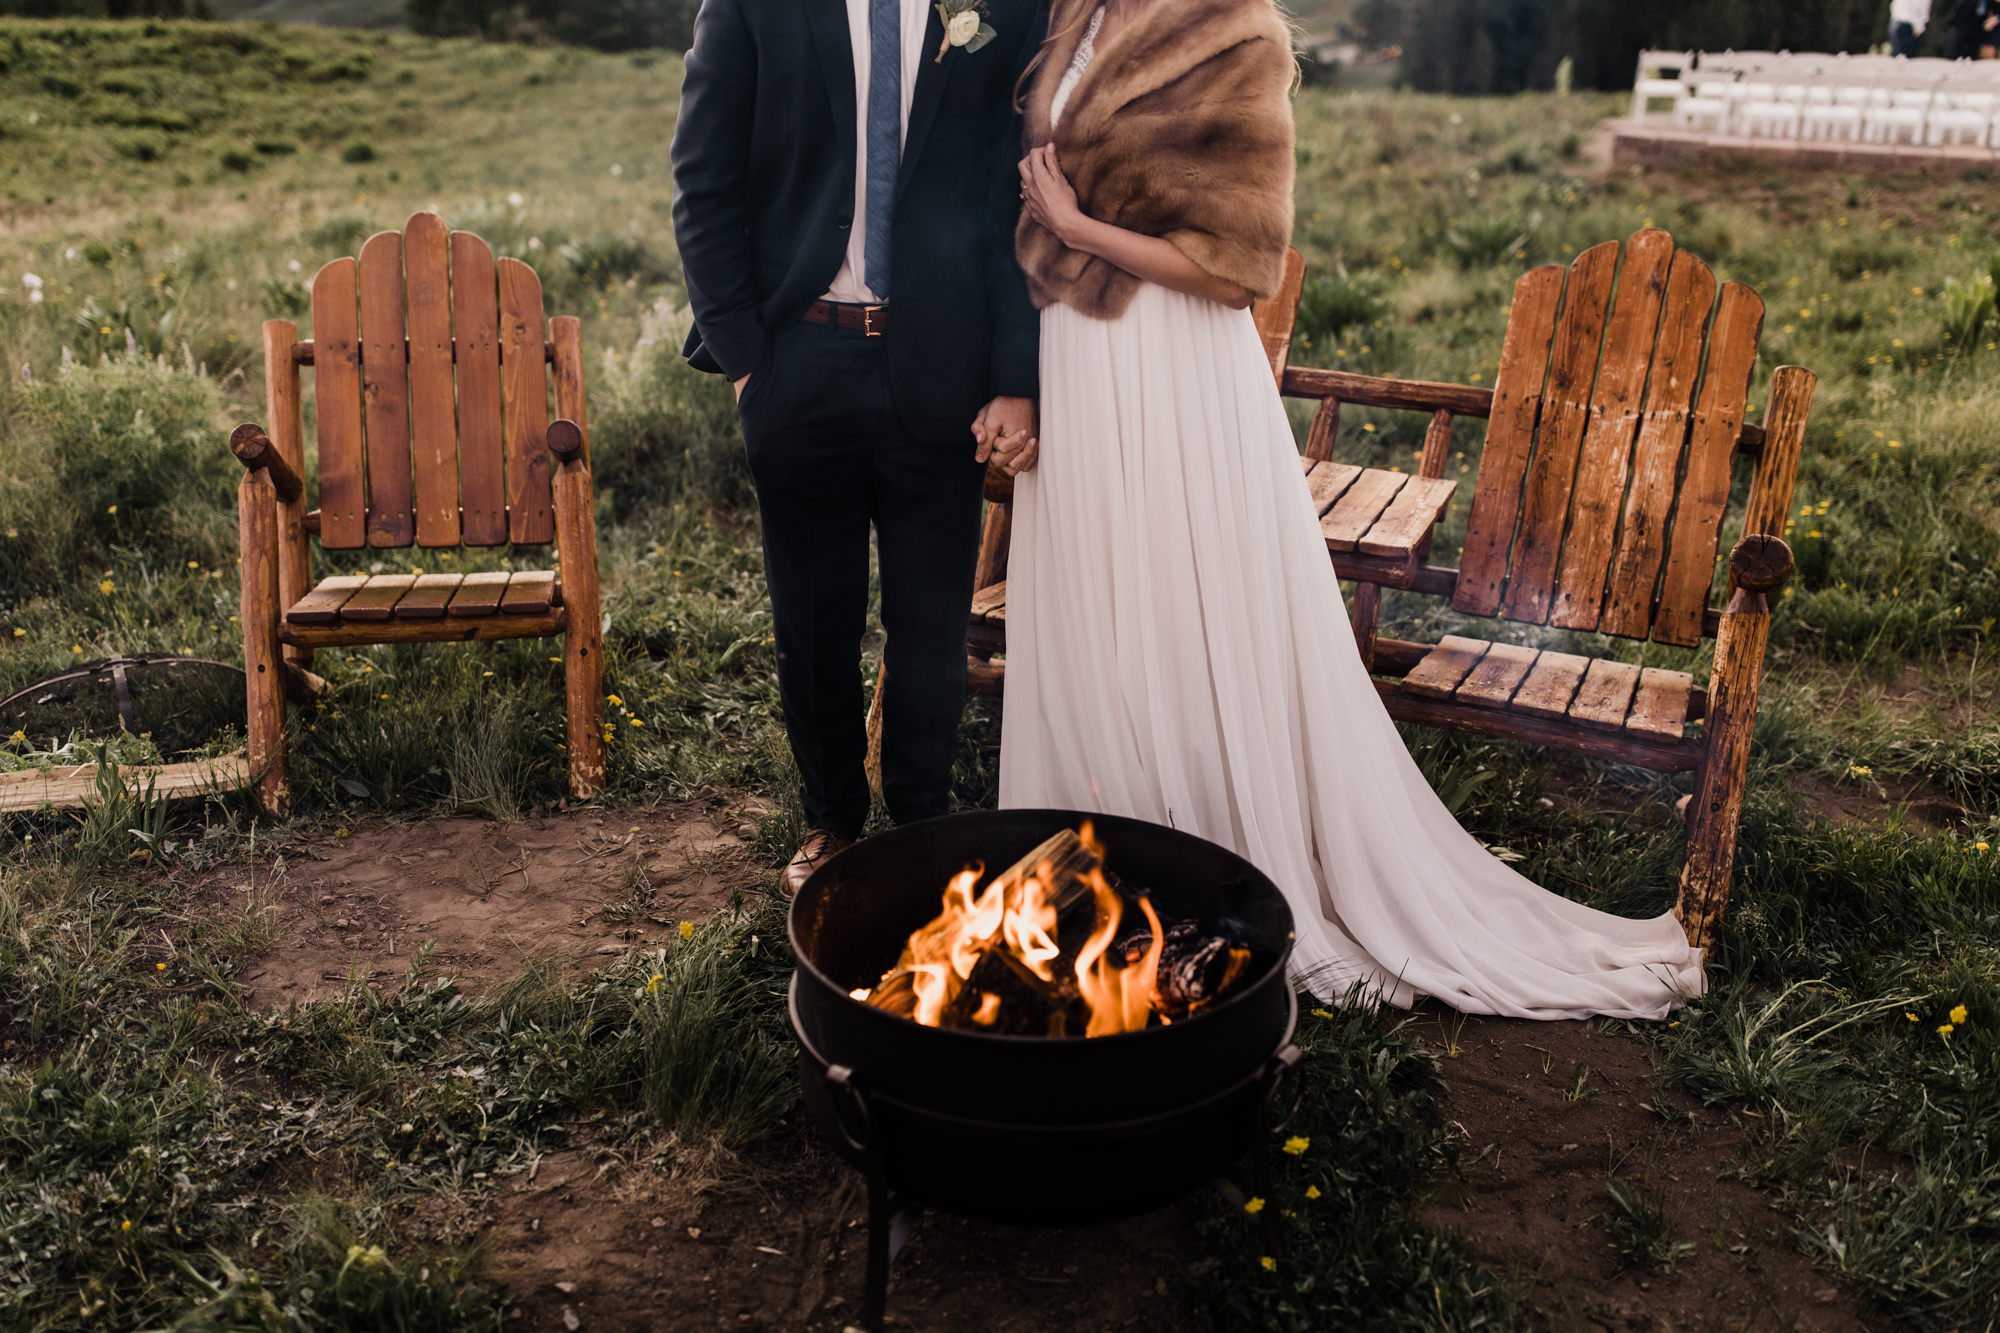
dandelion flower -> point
(112, 510)
(1296, 1145)
(126, 1225)
(1254, 1206)
(20, 633)
(194, 564)
(1270, 1264)
(1977, 846)
(107, 587)
(159, 967)
(1859, 771)
(1958, 1014)
(614, 701)
(1323, 1013)
(18, 736)
(1944, 1029)
(638, 721)
(653, 982)
(1312, 1191)
(687, 930)
(1907, 1014)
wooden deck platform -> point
(1655, 143)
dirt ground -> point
(588, 1240)
(1551, 1112)
(565, 890)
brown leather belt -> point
(869, 320)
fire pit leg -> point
(889, 1223)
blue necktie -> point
(885, 136)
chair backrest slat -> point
(1718, 420)
(475, 320)
(1607, 466)
(1614, 424)
(343, 488)
(1277, 313)
(1510, 438)
(1565, 415)
(385, 390)
(433, 414)
(524, 366)
(1656, 456)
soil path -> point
(491, 898)
(1551, 1113)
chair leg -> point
(583, 641)
(873, 764)
(263, 661)
(1367, 620)
(1717, 807)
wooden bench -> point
(432, 384)
(1614, 427)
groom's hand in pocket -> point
(1005, 433)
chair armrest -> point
(253, 448)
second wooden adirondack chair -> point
(1617, 417)
(431, 366)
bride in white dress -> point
(1178, 649)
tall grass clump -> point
(669, 432)
(126, 452)
(707, 1051)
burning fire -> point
(1014, 923)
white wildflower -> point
(515, 200)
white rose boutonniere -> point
(965, 25)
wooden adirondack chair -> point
(1615, 423)
(431, 367)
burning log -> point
(1195, 969)
(1005, 995)
(1063, 864)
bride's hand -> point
(1047, 193)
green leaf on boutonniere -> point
(987, 32)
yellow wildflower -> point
(1312, 1191)
(614, 701)
(19, 736)
(1958, 1013)
(194, 564)
(1323, 1013)
(637, 721)
(1859, 770)
(159, 967)
(20, 633)
(1907, 1014)
(1270, 1264)
(1944, 1029)
(1254, 1206)
(107, 587)
(1296, 1145)
(1981, 846)
(126, 1225)
(687, 930)
(653, 982)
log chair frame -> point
(461, 342)
(1603, 421)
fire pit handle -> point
(841, 1087)
(1281, 1064)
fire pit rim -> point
(1152, 1032)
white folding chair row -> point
(1877, 99)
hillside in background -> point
(329, 13)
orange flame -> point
(1021, 921)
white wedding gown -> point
(1178, 652)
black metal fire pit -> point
(1034, 1130)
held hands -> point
(1005, 432)
(1047, 194)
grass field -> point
(164, 188)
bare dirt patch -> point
(620, 1249)
(1552, 1112)
(492, 898)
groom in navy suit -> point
(845, 201)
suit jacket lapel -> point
(924, 100)
(828, 21)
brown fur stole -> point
(1181, 128)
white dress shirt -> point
(1916, 13)
(849, 285)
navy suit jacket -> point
(764, 158)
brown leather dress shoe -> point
(818, 846)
